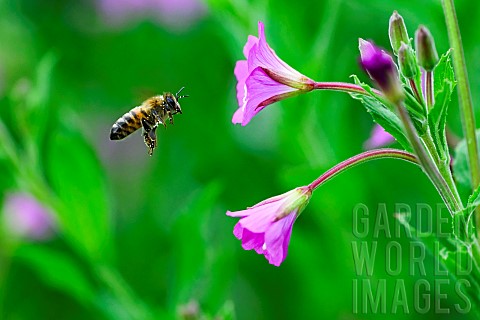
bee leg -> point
(170, 117)
(149, 136)
(150, 139)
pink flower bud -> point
(381, 68)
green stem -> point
(463, 87)
(362, 158)
(443, 165)
(415, 90)
(427, 163)
(464, 96)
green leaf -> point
(38, 100)
(77, 178)
(58, 271)
(461, 169)
(474, 199)
(381, 114)
(202, 254)
(444, 83)
(449, 252)
(31, 110)
(472, 203)
(227, 312)
(118, 301)
(464, 225)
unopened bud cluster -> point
(426, 55)
(380, 66)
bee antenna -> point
(179, 91)
(180, 97)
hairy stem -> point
(362, 158)
(427, 162)
(443, 165)
(343, 86)
(415, 90)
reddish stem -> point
(361, 158)
(343, 86)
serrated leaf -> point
(472, 203)
(449, 252)
(381, 114)
(461, 169)
(474, 199)
(444, 83)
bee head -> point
(172, 104)
(172, 101)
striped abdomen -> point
(127, 123)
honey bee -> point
(152, 112)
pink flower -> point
(266, 227)
(264, 78)
(26, 217)
(379, 138)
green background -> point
(139, 237)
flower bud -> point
(427, 55)
(407, 61)
(397, 32)
(381, 68)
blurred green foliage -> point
(147, 237)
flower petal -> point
(238, 116)
(241, 73)
(251, 41)
(241, 213)
(252, 240)
(264, 56)
(238, 231)
(274, 198)
(260, 88)
(277, 239)
(260, 218)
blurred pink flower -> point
(176, 13)
(378, 138)
(264, 78)
(25, 217)
(266, 227)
